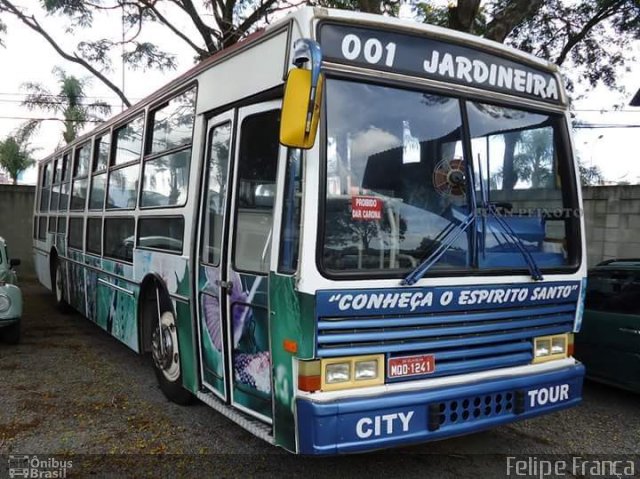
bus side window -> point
(258, 160)
(219, 144)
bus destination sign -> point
(434, 59)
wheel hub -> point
(162, 354)
(164, 347)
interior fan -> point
(449, 178)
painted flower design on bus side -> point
(254, 370)
(251, 364)
(211, 308)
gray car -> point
(10, 297)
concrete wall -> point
(612, 219)
(16, 224)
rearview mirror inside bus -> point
(299, 122)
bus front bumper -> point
(360, 423)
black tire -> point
(57, 286)
(11, 334)
(166, 363)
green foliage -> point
(590, 35)
(16, 152)
(96, 53)
(70, 102)
(146, 56)
(590, 175)
(387, 7)
(432, 14)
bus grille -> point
(461, 342)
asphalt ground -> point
(70, 392)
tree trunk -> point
(509, 17)
(370, 6)
(462, 15)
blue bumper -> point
(369, 423)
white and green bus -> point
(346, 232)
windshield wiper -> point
(447, 241)
(510, 235)
(514, 239)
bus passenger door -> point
(211, 273)
(236, 226)
(250, 233)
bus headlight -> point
(366, 370)
(5, 303)
(547, 348)
(543, 347)
(558, 345)
(349, 372)
(337, 373)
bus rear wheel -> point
(166, 358)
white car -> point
(10, 297)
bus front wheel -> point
(57, 284)
(166, 357)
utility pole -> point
(122, 58)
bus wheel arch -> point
(159, 337)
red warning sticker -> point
(366, 208)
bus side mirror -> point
(300, 110)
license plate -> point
(411, 366)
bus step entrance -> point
(255, 426)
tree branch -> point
(173, 28)
(205, 31)
(605, 12)
(32, 23)
(509, 17)
(462, 15)
(258, 13)
(224, 19)
(139, 29)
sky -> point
(29, 58)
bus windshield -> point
(398, 183)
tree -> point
(206, 27)
(16, 152)
(590, 175)
(70, 102)
(591, 35)
(534, 159)
(387, 7)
